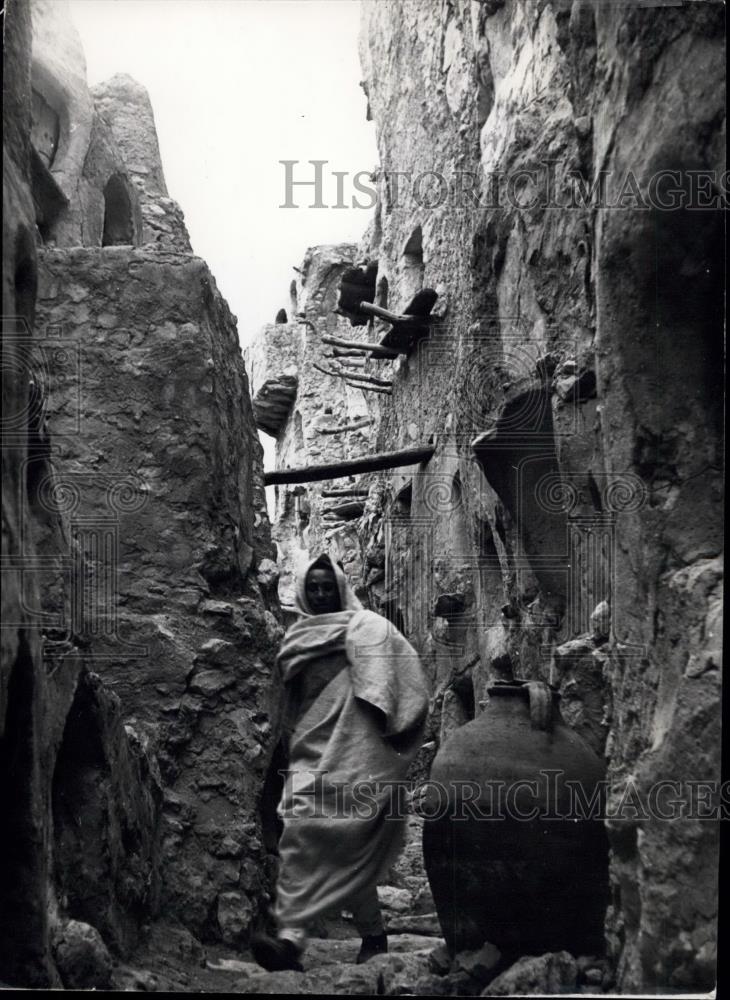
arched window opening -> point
(81, 788)
(118, 218)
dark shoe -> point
(372, 945)
(276, 954)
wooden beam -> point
(353, 491)
(345, 428)
(347, 510)
(383, 383)
(347, 362)
(348, 352)
(353, 467)
(393, 318)
(356, 376)
(368, 388)
(375, 349)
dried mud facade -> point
(140, 615)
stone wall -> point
(140, 617)
(570, 517)
(316, 418)
(158, 471)
(124, 106)
(96, 167)
(64, 750)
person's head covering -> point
(348, 601)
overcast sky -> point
(236, 86)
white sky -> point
(236, 86)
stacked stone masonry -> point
(140, 615)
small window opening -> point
(118, 219)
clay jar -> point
(510, 853)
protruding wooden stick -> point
(344, 428)
(393, 318)
(345, 511)
(375, 349)
(353, 467)
(356, 376)
(353, 491)
(368, 388)
(347, 361)
(349, 353)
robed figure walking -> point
(357, 701)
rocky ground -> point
(418, 963)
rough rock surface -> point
(159, 480)
(82, 957)
(125, 107)
(315, 418)
(64, 751)
(580, 344)
(544, 975)
(97, 172)
(59, 75)
(24, 942)
(140, 608)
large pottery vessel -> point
(510, 851)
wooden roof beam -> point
(353, 467)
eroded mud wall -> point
(160, 472)
(64, 748)
(570, 517)
(140, 610)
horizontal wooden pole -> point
(382, 352)
(394, 318)
(384, 383)
(346, 360)
(353, 491)
(345, 511)
(355, 376)
(368, 388)
(345, 428)
(354, 354)
(353, 467)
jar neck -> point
(513, 697)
